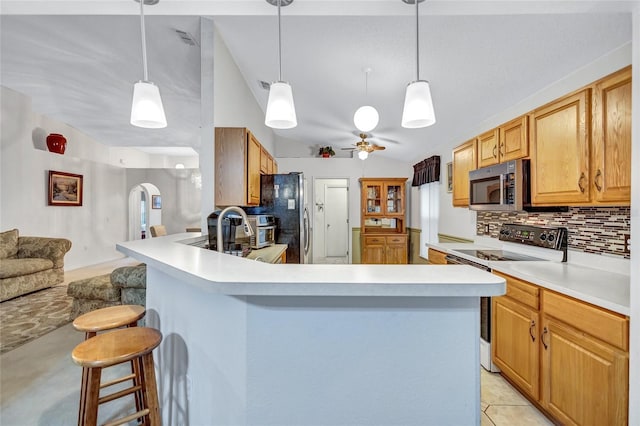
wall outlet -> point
(627, 243)
(486, 228)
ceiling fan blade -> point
(378, 147)
(348, 149)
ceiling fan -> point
(364, 148)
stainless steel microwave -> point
(501, 187)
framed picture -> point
(156, 202)
(65, 189)
(450, 177)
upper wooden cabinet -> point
(611, 139)
(507, 142)
(464, 160)
(514, 139)
(488, 144)
(238, 166)
(560, 151)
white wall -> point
(181, 200)
(93, 228)
(102, 221)
(234, 104)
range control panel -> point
(539, 236)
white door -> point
(331, 221)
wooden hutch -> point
(382, 220)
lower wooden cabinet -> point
(437, 257)
(384, 249)
(585, 381)
(566, 355)
(515, 347)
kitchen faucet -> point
(245, 223)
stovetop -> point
(497, 255)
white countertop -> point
(602, 288)
(226, 274)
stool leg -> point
(135, 369)
(151, 389)
(92, 393)
(83, 384)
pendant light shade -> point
(366, 118)
(281, 111)
(418, 106)
(363, 155)
(146, 108)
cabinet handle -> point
(501, 149)
(582, 177)
(544, 331)
(595, 180)
(495, 151)
(533, 337)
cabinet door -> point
(514, 139)
(230, 166)
(372, 199)
(514, 345)
(396, 251)
(488, 153)
(253, 170)
(264, 160)
(373, 250)
(560, 151)
(464, 160)
(611, 143)
(394, 199)
(585, 381)
(437, 257)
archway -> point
(141, 212)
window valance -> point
(426, 171)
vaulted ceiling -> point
(78, 61)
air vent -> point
(187, 38)
(264, 84)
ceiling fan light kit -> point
(146, 107)
(281, 111)
(418, 105)
(363, 155)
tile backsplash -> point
(596, 230)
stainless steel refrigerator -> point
(284, 197)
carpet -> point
(33, 315)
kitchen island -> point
(251, 343)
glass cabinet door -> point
(374, 199)
(394, 197)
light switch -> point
(277, 189)
(292, 204)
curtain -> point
(426, 171)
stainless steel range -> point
(520, 243)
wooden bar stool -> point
(106, 319)
(116, 347)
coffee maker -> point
(229, 224)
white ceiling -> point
(79, 65)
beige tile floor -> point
(503, 405)
(35, 370)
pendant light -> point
(281, 112)
(146, 109)
(366, 117)
(418, 105)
